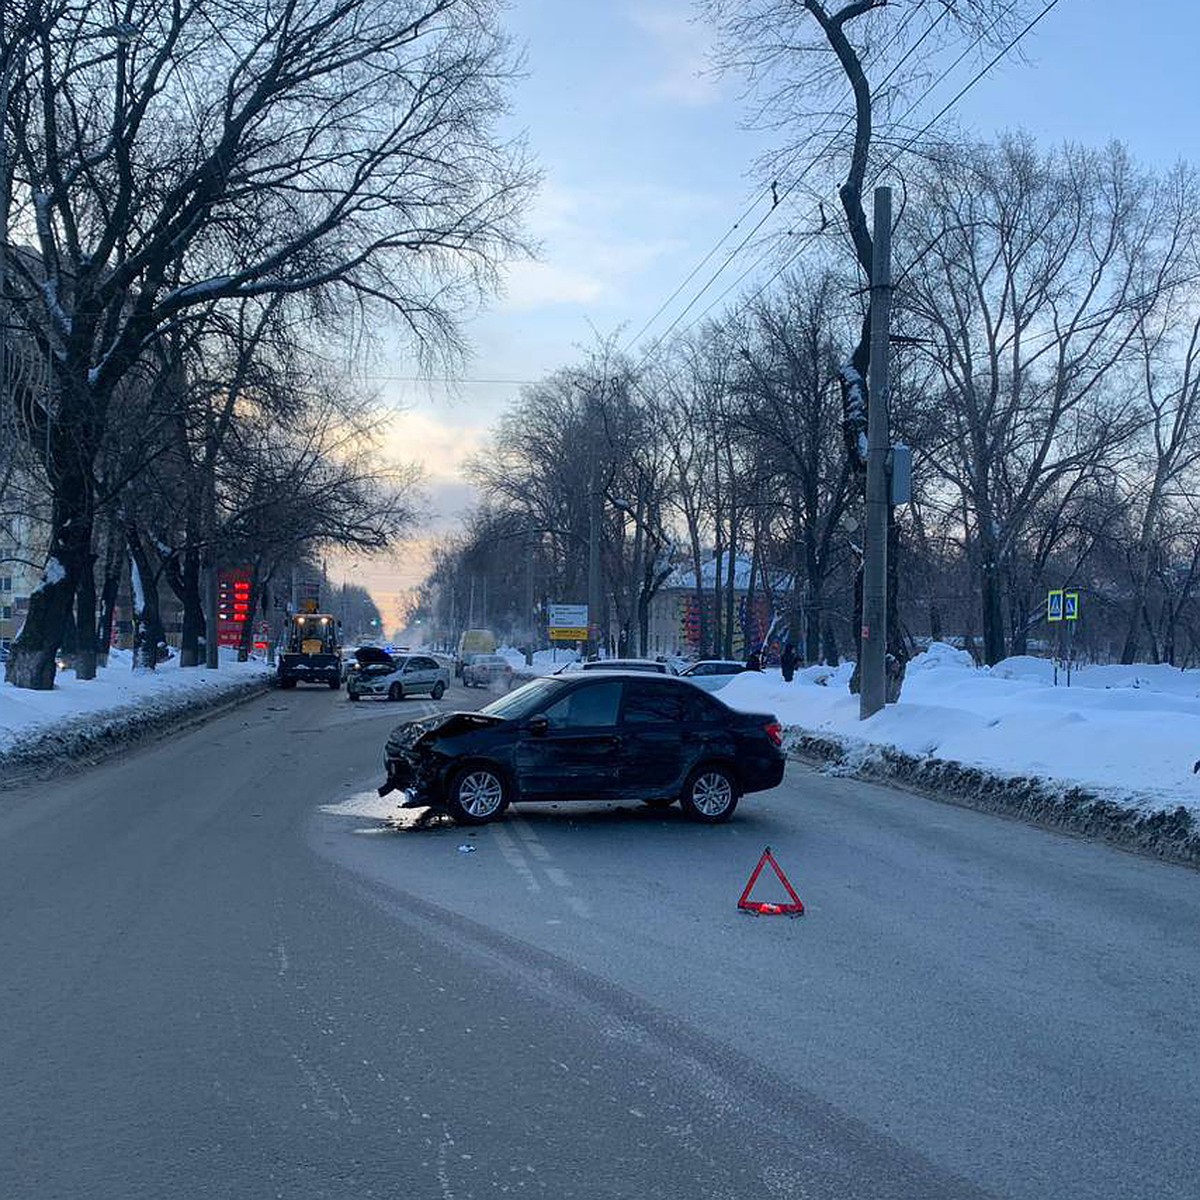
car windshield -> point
(524, 701)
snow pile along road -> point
(1112, 754)
(80, 718)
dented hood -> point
(405, 736)
(372, 654)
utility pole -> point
(594, 519)
(873, 668)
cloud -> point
(683, 46)
(538, 284)
(588, 260)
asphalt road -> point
(222, 974)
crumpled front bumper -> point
(418, 785)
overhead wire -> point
(809, 238)
(777, 196)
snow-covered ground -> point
(116, 693)
(1130, 731)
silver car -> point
(488, 670)
(395, 676)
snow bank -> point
(1131, 734)
(76, 710)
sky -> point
(647, 162)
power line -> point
(777, 197)
(450, 380)
(791, 258)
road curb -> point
(90, 739)
(1171, 834)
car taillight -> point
(774, 731)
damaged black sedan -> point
(604, 736)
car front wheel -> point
(477, 795)
(439, 690)
(710, 795)
(395, 692)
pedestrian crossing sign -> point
(1070, 606)
(1054, 604)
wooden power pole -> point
(873, 677)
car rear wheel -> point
(335, 684)
(710, 795)
(439, 690)
(351, 695)
(396, 692)
(477, 795)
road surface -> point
(224, 975)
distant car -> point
(598, 736)
(395, 676)
(715, 666)
(487, 670)
(712, 674)
(628, 664)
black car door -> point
(652, 738)
(576, 756)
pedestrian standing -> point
(787, 662)
(754, 662)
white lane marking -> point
(575, 903)
(443, 1157)
(532, 842)
(514, 857)
(320, 1084)
(556, 875)
(281, 951)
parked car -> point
(587, 736)
(713, 674)
(715, 666)
(628, 664)
(487, 670)
(378, 673)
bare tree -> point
(792, 413)
(799, 55)
(1167, 344)
(1030, 284)
(191, 153)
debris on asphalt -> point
(464, 848)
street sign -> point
(1054, 605)
(1070, 606)
(576, 633)
(568, 616)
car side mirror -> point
(537, 725)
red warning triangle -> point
(795, 908)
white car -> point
(395, 676)
(487, 670)
(712, 674)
